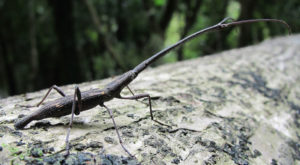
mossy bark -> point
(236, 107)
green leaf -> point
(159, 2)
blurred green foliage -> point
(46, 42)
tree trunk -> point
(7, 51)
(247, 9)
(236, 107)
(33, 47)
(102, 36)
(167, 15)
(67, 55)
(8, 67)
(190, 19)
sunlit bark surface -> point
(237, 107)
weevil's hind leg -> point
(135, 97)
(78, 94)
(112, 117)
(39, 103)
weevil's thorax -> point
(115, 87)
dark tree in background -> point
(67, 65)
(191, 12)
(46, 42)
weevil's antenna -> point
(225, 19)
(219, 26)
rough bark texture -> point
(237, 107)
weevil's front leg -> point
(53, 87)
(120, 140)
(39, 103)
(78, 94)
(135, 97)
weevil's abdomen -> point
(56, 108)
(42, 113)
(62, 107)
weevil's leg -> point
(130, 90)
(78, 94)
(53, 87)
(39, 103)
(135, 97)
(112, 117)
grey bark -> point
(236, 107)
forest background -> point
(46, 42)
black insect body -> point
(81, 101)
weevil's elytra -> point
(81, 101)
